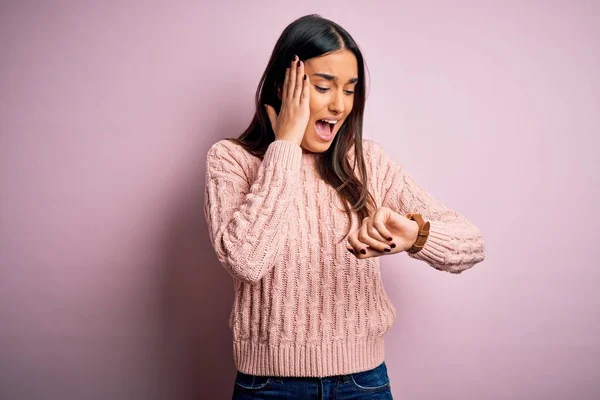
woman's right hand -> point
(294, 114)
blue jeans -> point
(371, 384)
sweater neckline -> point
(309, 158)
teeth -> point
(329, 121)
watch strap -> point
(424, 227)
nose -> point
(337, 105)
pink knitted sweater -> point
(304, 306)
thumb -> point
(272, 115)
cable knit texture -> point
(304, 306)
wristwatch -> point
(423, 232)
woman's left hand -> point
(384, 232)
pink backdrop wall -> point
(108, 285)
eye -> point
(323, 90)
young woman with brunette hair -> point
(300, 208)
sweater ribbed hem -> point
(337, 358)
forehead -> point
(341, 63)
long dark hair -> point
(313, 36)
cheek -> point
(349, 104)
(317, 103)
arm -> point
(246, 221)
(454, 243)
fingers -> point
(357, 247)
(299, 82)
(373, 238)
(363, 244)
(305, 96)
(369, 236)
(295, 87)
(286, 84)
(378, 223)
(292, 79)
(360, 250)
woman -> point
(300, 208)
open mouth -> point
(325, 128)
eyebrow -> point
(334, 78)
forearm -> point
(247, 229)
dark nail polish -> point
(299, 64)
(390, 238)
(351, 251)
(295, 57)
(393, 245)
(387, 249)
(304, 76)
(363, 251)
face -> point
(332, 84)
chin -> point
(316, 145)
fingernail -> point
(299, 64)
(305, 76)
(393, 245)
(390, 238)
(387, 249)
(351, 251)
(295, 57)
(363, 251)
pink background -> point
(109, 287)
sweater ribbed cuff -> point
(437, 244)
(284, 153)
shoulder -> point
(374, 153)
(227, 155)
(226, 148)
(371, 146)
